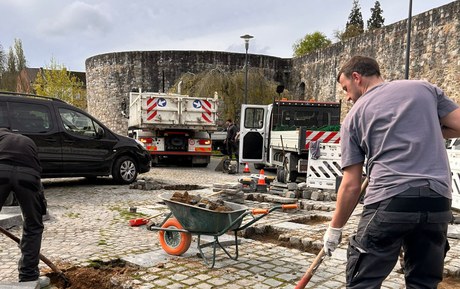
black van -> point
(70, 142)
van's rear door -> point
(253, 136)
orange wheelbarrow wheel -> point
(174, 243)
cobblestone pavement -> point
(90, 222)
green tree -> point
(10, 65)
(2, 63)
(355, 23)
(2, 60)
(11, 61)
(310, 43)
(376, 20)
(19, 55)
(56, 81)
(9, 75)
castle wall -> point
(434, 56)
(111, 76)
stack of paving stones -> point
(231, 192)
(146, 184)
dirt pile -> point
(102, 275)
(197, 200)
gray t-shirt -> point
(395, 125)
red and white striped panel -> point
(323, 136)
(207, 114)
(151, 108)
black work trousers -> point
(232, 148)
(415, 221)
(26, 184)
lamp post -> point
(246, 38)
(409, 28)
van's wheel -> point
(124, 170)
(174, 243)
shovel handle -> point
(311, 270)
(320, 257)
(43, 258)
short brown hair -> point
(363, 65)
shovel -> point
(43, 258)
(321, 255)
(142, 221)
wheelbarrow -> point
(185, 220)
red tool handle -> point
(307, 276)
(289, 206)
(319, 258)
(260, 211)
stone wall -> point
(434, 56)
(111, 76)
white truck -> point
(280, 134)
(172, 126)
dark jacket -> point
(18, 150)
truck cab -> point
(280, 134)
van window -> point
(254, 117)
(30, 118)
(75, 122)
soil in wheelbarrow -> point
(196, 200)
(102, 275)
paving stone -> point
(23, 285)
(272, 283)
(76, 234)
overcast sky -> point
(70, 31)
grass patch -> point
(72, 215)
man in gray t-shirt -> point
(399, 128)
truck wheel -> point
(280, 175)
(124, 170)
(259, 166)
(290, 176)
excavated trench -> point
(115, 274)
(270, 234)
(276, 237)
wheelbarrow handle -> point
(260, 211)
(267, 211)
(289, 206)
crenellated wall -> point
(434, 56)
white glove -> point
(332, 239)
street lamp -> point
(409, 28)
(246, 38)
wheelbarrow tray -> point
(204, 221)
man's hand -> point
(332, 239)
